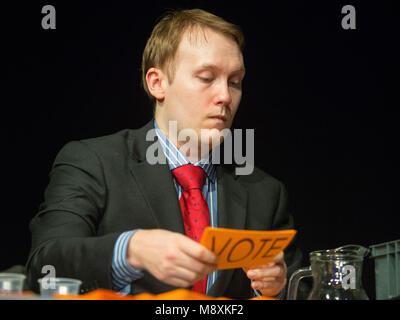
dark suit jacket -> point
(102, 187)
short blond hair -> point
(164, 40)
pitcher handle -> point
(294, 282)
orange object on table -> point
(103, 294)
(17, 295)
(178, 294)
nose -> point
(223, 95)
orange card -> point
(245, 248)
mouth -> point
(219, 117)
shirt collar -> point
(176, 158)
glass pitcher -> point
(336, 274)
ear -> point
(155, 82)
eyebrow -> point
(213, 66)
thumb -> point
(246, 269)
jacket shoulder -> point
(111, 141)
(122, 143)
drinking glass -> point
(62, 286)
(11, 283)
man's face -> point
(206, 90)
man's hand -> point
(170, 257)
(269, 279)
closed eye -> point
(236, 84)
(207, 80)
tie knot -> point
(189, 176)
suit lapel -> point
(156, 184)
(232, 201)
(158, 189)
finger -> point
(177, 282)
(194, 265)
(179, 258)
(268, 265)
(179, 275)
(266, 279)
(262, 285)
(269, 285)
(266, 272)
(247, 269)
(279, 258)
(188, 275)
(199, 252)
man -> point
(113, 220)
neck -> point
(192, 147)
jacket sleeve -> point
(64, 232)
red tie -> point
(194, 207)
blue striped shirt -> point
(122, 272)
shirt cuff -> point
(122, 272)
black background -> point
(321, 99)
